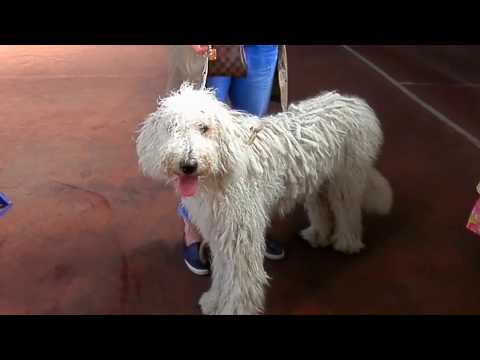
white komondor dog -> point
(234, 171)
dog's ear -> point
(230, 143)
(151, 136)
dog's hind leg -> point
(345, 193)
(319, 231)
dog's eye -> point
(203, 128)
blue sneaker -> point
(274, 250)
(193, 260)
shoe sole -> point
(207, 272)
(275, 257)
(195, 270)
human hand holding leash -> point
(200, 49)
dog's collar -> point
(255, 130)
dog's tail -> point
(378, 196)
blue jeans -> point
(251, 93)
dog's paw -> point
(208, 303)
(236, 308)
(315, 238)
(347, 243)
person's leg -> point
(193, 239)
(221, 85)
(191, 234)
(252, 94)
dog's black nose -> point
(189, 167)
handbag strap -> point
(203, 84)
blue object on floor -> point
(5, 204)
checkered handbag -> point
(227, 60)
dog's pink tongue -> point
(188, 185)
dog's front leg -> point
(243, 278)
(209, 300)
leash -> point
(255, 130)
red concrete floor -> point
(89, 235)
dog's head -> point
(191, 136)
